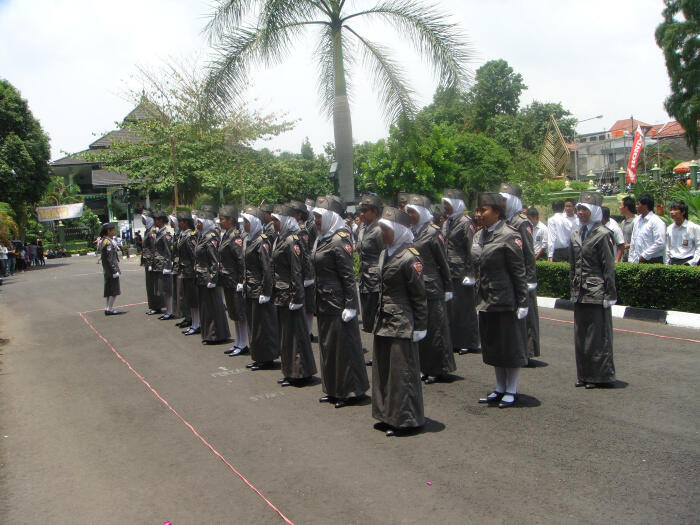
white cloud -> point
(72, 60)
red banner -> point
(637, 145)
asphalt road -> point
(84, 439)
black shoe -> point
(432, 379)
(464, 351)
(281, 380)
(211, 342)
(114, 312)
(369, 362)
(153, 312)
(493, 397)
(314, 339)
(508, 404)
(239, 351)
(184, 323)
(166, 317)
(590, 386)
(579, 384)
(286, 382)
(261, 366)
(251, 365)
(192, 331)
(325, 399)
(227, 352)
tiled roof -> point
(118, 135)
(108, 178)
(628, 125)
(71, 161)
(671, 129)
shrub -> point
(654, 286)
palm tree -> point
(278, 23)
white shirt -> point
(614, 227)
(648, 238)
(539, 236)
(3, 252)
(559, 228)
(683, 241)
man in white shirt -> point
(628, 209)
(612, 225)
(559, 228)
(682, 237)
(649, 235)
(3, 260)
(539, 234)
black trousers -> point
(653, 260)
(675, 261)
(560, 255)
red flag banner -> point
(637, 145)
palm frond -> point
(326, 72)
(228, 15)
(389, 79)
(432, 36)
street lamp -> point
(576, 146)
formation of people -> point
(428, 289)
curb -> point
(670, 317)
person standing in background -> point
(539, 234)
(618, 236)
(682, 237)
(648, 244)
(110, 267)
(628, 209)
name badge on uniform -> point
(684, 243)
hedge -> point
(654, 286)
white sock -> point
(241, 334)
(111, 302)
(107, 308)
(500, 379)
(195, 318)
(310, 321)
(512, 375)
(169, 303)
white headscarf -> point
(331, 222)
(287, 223)
(596, 212)
(457, 206)
(424, 216)
(147, 221)
(513, 205)
(255, 224)
(173, 223)
(402, 235)
(207, 225)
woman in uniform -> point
(459, 230)
(501, 298)
(436, 356)
(593, 292)
(298, 363)
(110, 266)
(343, 372)
(178, 301)
(260, 312)
(212, 311)
(402, 321)
(186, 246)
(231, 258)
(516, 219)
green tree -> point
(280, 22)
(24, 153)
(677, 36)
(496, 92)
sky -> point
(75, 61)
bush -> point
(654, 286)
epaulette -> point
(523, 216)
(193, 233)
(342, 233)
(413, 250)
(303, 226)
(296, 237)
(263, 236)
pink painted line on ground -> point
(630, 331)
(185, 422)
(117, 306)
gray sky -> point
(73, 60)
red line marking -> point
(631, 331)
(117, 306)
(185, 422)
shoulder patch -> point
(238, 241)
(213, 242)
(413, 251)
(519, 242)
(266, 245)
(441, 237)
(418, 267)
(297, 250)
(343, 233)
(472, 227)
(169, 237)
(348, 247)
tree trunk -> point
(342, 126)
(172, 163)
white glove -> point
(150, 268)
(239, 287)
(608, 303)
(531, 286)
(211, 285)
(521, 313)
(263, 299)
(308, 283)
(293, 306)
(166, 271)
(418, 335)
(448, 296)
(114, 276)
(468, 281)
(348, 314)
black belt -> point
(681, 261)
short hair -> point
(606, 213)
(647, 200)
(628, 202)
(532, 212)
(572, 201)
(681, 206)
(558, 206)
